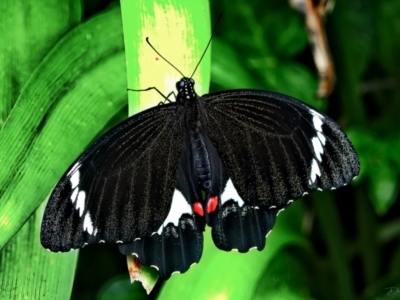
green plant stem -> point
(180, 31)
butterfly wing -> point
(180, 242)
(274, 149)
(121, 188)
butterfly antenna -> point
(208, 44)
(166, 60)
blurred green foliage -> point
(343, 244)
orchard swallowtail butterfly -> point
(142, 183)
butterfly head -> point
(185, 88)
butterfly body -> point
(141, 184)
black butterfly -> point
(251, 152)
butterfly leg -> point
(166, 98)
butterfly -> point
(230, 160)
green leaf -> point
(120, 286)
(78, 86)
(388, 27)
(380, 161)
(285, 38)
(30, 272)
(227, 68)
(76, 89)
(29, 29)
(295, 80)
(230, 72)
(384, 186)
(288, 277)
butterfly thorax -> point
(186, 92)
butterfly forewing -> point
(121, 187)
(276, 148)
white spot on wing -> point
(179, 207)
(315, 171)
(155, 267)
(88, 224)
(80, 203)
(230, 193)
(317, 123)
(321, 137)
(75, 179)
(175, 272)
(318, 150)
(78, 196)
(317, 120)
(74, 195)
(318, 142)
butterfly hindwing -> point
(121, 187)
(243, 227)
(179, 240)
(276, 148)
(236, 224)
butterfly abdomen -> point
(201, 160)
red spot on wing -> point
(198, 209)
(212, 204)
